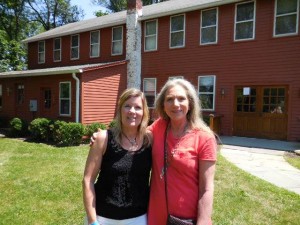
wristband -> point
(95, 223)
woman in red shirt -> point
(191, 149)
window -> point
(244, 21)
(47, 99)
(175, 77)
(177, 31)
(75, 46)
(0, 96)
(150, 35)
(246, 99)
(65, 98)
(286, 17)
(117, 41)
(57, 50)
(206, 87)
(20, 94)
(95, 44)
(209, 30)
(274, 100)
(41, 52)
(150, 91)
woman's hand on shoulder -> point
(94, 136)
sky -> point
(87, 7)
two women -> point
(191, 150)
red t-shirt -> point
(183, 187)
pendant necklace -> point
(132, 142)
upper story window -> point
(206, 87)
(177, 31)
(95, 44)
(286, 17)
(244, 21)
(41, 52)
(20, 94)
(209, 29)
(117, 41)
(75, 46)
(65, 98)
(150, 91)
(57, 50)
(0, 96)
(150, 35)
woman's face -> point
(176, 103)
(132, 112)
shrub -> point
(40, 129)
(18, 127)
(69, 134)
(112, 124)
(91, 128)
(56, 130)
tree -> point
(120, 5)
(53, 13)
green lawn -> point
(41, 184)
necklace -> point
(132, 142)
(178, 136)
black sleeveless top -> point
(122, 187)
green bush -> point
(56, 130)
(91, 128)
(18, 127)
(206, 119)
(112, 124)
(69, 134)
(40, 129)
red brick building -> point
(242, 57)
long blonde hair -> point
(117, 129)
(194, 115)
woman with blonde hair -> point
(184, 156)
(120, 161)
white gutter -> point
(77, 96)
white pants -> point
(140, 220)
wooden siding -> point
(84, 52)
(263, 61)
(100, 92)
(32, 91)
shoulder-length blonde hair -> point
(117, 129)
(194, 115)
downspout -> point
(77, 96)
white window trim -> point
(54, 50)
(44, 53)
(156, 35)
(175, 77)
(217, 26)
(254, 21)
(184, 21)
(92, 44)
(70, 98)
(155, 90)
(214, 91)
(112, 41)
(78, 46)
(275, 17)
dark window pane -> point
(245, 11)
(281, 92)
(266, 91)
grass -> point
(41, 184)
(293, 159)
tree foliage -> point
(120, 5)
(53, 13)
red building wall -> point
(263, 61)
(100, 92)
(84, 52)
(32, 91)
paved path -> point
(264, 163)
